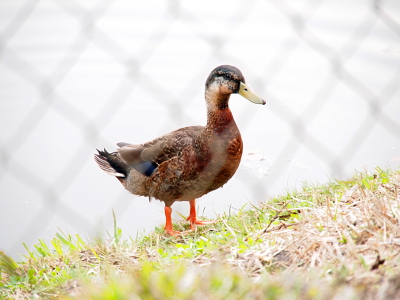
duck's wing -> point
(145, 158)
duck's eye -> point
(227, 76)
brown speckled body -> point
(200, 160)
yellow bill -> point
(249, 95)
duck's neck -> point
(219, 116)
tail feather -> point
(111, 163)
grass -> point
(336, 241)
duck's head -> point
(226, 80)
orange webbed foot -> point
(193, 217)
(178, 233)
(201, 222)
(172, 232)
(168, 224)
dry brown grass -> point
(351, 237)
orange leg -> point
(193, 217)
(168, 221)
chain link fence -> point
(76, 76)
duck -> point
(190, 162)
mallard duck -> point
(190, 162)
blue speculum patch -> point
(146, 167)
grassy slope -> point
(337, 241)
